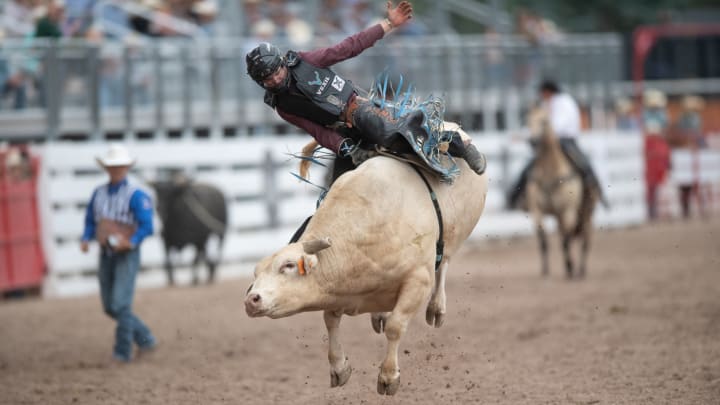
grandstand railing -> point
(79, 89)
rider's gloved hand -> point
(347, 147)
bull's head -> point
(167, 191)
(285, 283)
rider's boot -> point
(475, 159)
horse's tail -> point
(307, 152)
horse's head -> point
(538, 122)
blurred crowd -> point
(665, 127)
(287, 21)
(83, 18)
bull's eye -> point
(287, 267)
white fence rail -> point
(698, 170)
(266, 203)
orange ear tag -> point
(301, 266)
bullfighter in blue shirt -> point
(119, 217)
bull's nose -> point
(252, 303)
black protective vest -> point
(317, 94)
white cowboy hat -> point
(116, 155)
(654, 98)
(205, 7)
(693, 103)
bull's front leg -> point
(413, 293)
(435, 313)
(340, 369)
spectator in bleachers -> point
(687, 133)
(289, 27)
(252, 14)
(657, 152)
(688, 129)
(204, 13)
(18, 164)
(626, 118)
(655, 116)
(494, 59)
(357, 15)
(12, 82)
(78, 17)
(18, 19)
(49, 25)
(329, 19)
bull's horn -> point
(316, 245)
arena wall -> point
(267, 203)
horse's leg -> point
(532, 200)
(586, 236)
(567, 254)
(435, 313)
(567, 223)
(412, 294)
(340, 369)
(542, 239)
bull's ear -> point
(309, 262)
(313, 246)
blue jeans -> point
(117, 288)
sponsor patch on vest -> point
(334, 100)
(338, 83)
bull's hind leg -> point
(435, 313)
(169, 269)
(340, 369)
(412, 295)
(199, 257)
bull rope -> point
(440, 244)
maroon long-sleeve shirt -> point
(326, 57)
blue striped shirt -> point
(122, 202)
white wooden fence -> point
(267, 203)
(699, 169)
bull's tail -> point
(307, 152)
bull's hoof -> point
(434, 316)
(387, 387)
(378, 320)
(339, 378)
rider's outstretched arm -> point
(357, 43)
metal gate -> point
(22, 263)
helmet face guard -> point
(263, 61)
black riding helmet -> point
(263, 61)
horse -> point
(555, 188)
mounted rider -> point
(307, 93)
(564, 117)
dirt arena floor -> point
(643, 328)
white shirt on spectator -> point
(564, 115)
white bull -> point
(371, 248)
